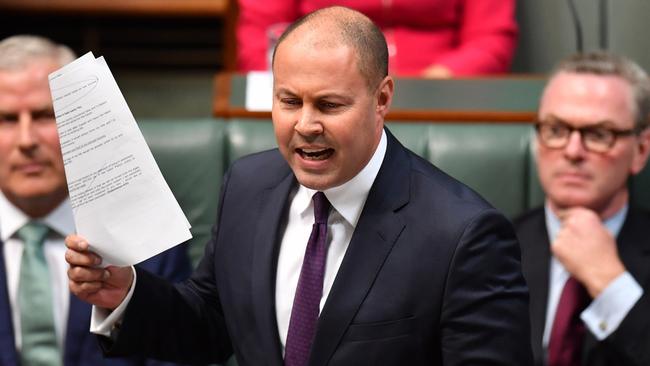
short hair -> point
(609, 64)
(16, 52)
(354, 30)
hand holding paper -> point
(121, 203)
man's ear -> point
(385, 95)
(642, 152)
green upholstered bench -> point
(190, 154)
(495, 159)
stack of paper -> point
(120, 200)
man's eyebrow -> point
(35, 113)
(601, 123)
(332, 96)
(284, 91)
(44, 112)
(8, 115)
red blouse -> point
(470, 37)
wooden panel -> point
(197, 8)
(131, 43)
(508, 99)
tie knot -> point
(321, 208)
(33, 233)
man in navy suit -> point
(588, 245)
(33, 192)
(403, 266)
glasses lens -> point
(598, 139)
(553, 135)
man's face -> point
(31, 167)
(573, 176)
(327, 122)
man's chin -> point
(572, 198)
(317, 182)
(36, 192)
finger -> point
(83, 289)
(120, 277)
(87, 259)
(86, 274)
(76, 242)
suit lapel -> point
(271, 222)
(633, 244)
(377, 230)
(8, 355)
(536, 262)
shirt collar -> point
(348, 198)
(612, 224)
(12, 219)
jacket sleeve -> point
(484, 319)
(631, 341)
(182, 323)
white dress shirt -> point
(347, 202)
(606, 312)
(62, 224)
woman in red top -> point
(426, 38)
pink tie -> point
(568, 332)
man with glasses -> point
(586, 253)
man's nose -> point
(574, 148)
(26, 138)
(308, 123)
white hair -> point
(16, 52)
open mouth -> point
(315, 154)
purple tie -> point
(304, 314)
(568, 332)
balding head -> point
(333, 26)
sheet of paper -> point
(259, 91)
(120, 200)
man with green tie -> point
(40, 323)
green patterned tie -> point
(39, 346)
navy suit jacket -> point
(629, 345)
(432, 276)
(81, 347)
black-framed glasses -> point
(595, 138)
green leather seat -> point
(495, 159)
(190, 154)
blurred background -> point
(165, 53)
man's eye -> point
(328, 105)
(598, 134)
(8, 119)
(553, 130)
(290, 101)
(557, 130)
